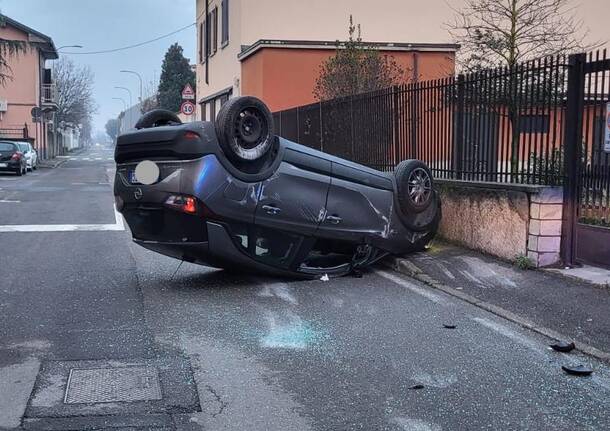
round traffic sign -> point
(187, 108)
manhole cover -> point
(106, 385)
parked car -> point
(231, 194)
(31, 156)
(12, 158)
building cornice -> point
(322, 44)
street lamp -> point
(139, 77)
(68, 46)
(130, 102)
(124, 110)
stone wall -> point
(504, 220)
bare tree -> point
(8, 49)
(74, 94)
(150, 100)
(357, 67)
(506, 32)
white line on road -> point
(509, 333)
(117, 226)
(8, 201)
(412, 287)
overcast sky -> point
(106, 24)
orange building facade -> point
(27, 98)
(284, 73)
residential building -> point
(273, 49)
(27, 99)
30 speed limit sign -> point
(187, 108)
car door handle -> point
(271, 210)
(334, 219)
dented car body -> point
(294, 212)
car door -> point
(359, 204)
(294, 197)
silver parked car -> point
(30, 154)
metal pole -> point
(140, 78)
(572, 154)
(130, 103)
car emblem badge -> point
(138, 193)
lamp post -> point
(124, 109)
(139, 77)
(130, 103)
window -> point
(225, 23)
(201, 42)
(534, 124)
(214, 23)
(208, 33)
(213, 110)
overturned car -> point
(231, 194)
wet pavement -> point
(231, 351)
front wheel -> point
(414, 187)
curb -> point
(408, 268)
(47, 164)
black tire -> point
(244, 127)
(414, 186)
(421, 243)
(156, 118)
(19, 171)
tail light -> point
(191, 136)
(188, 205)
(17, 155)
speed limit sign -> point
(187, 108)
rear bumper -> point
(10, 165)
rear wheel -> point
(157, 118)
(244, 127)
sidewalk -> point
(546, 302)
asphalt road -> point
(243, 352)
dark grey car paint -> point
(305, 192)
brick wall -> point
(544, 238)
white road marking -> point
(8, 201)
(412, 287)
(117, 226)
(98, 158)
(509, 333)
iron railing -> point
(499, 125)
(48, 93)
(15, 133)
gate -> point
(587, 187)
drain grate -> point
(107, 385)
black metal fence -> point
(500, 125)
(15, 133)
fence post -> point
(458, 123)
(321, 128)
(572, 154)
(413, 102)
(396, 116)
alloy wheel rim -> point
(420, 186)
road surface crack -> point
(218, 398)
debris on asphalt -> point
(324, 277)
(416, 387)
(562, 346)
(577, 370)
(447, 326)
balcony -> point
(48, 93)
